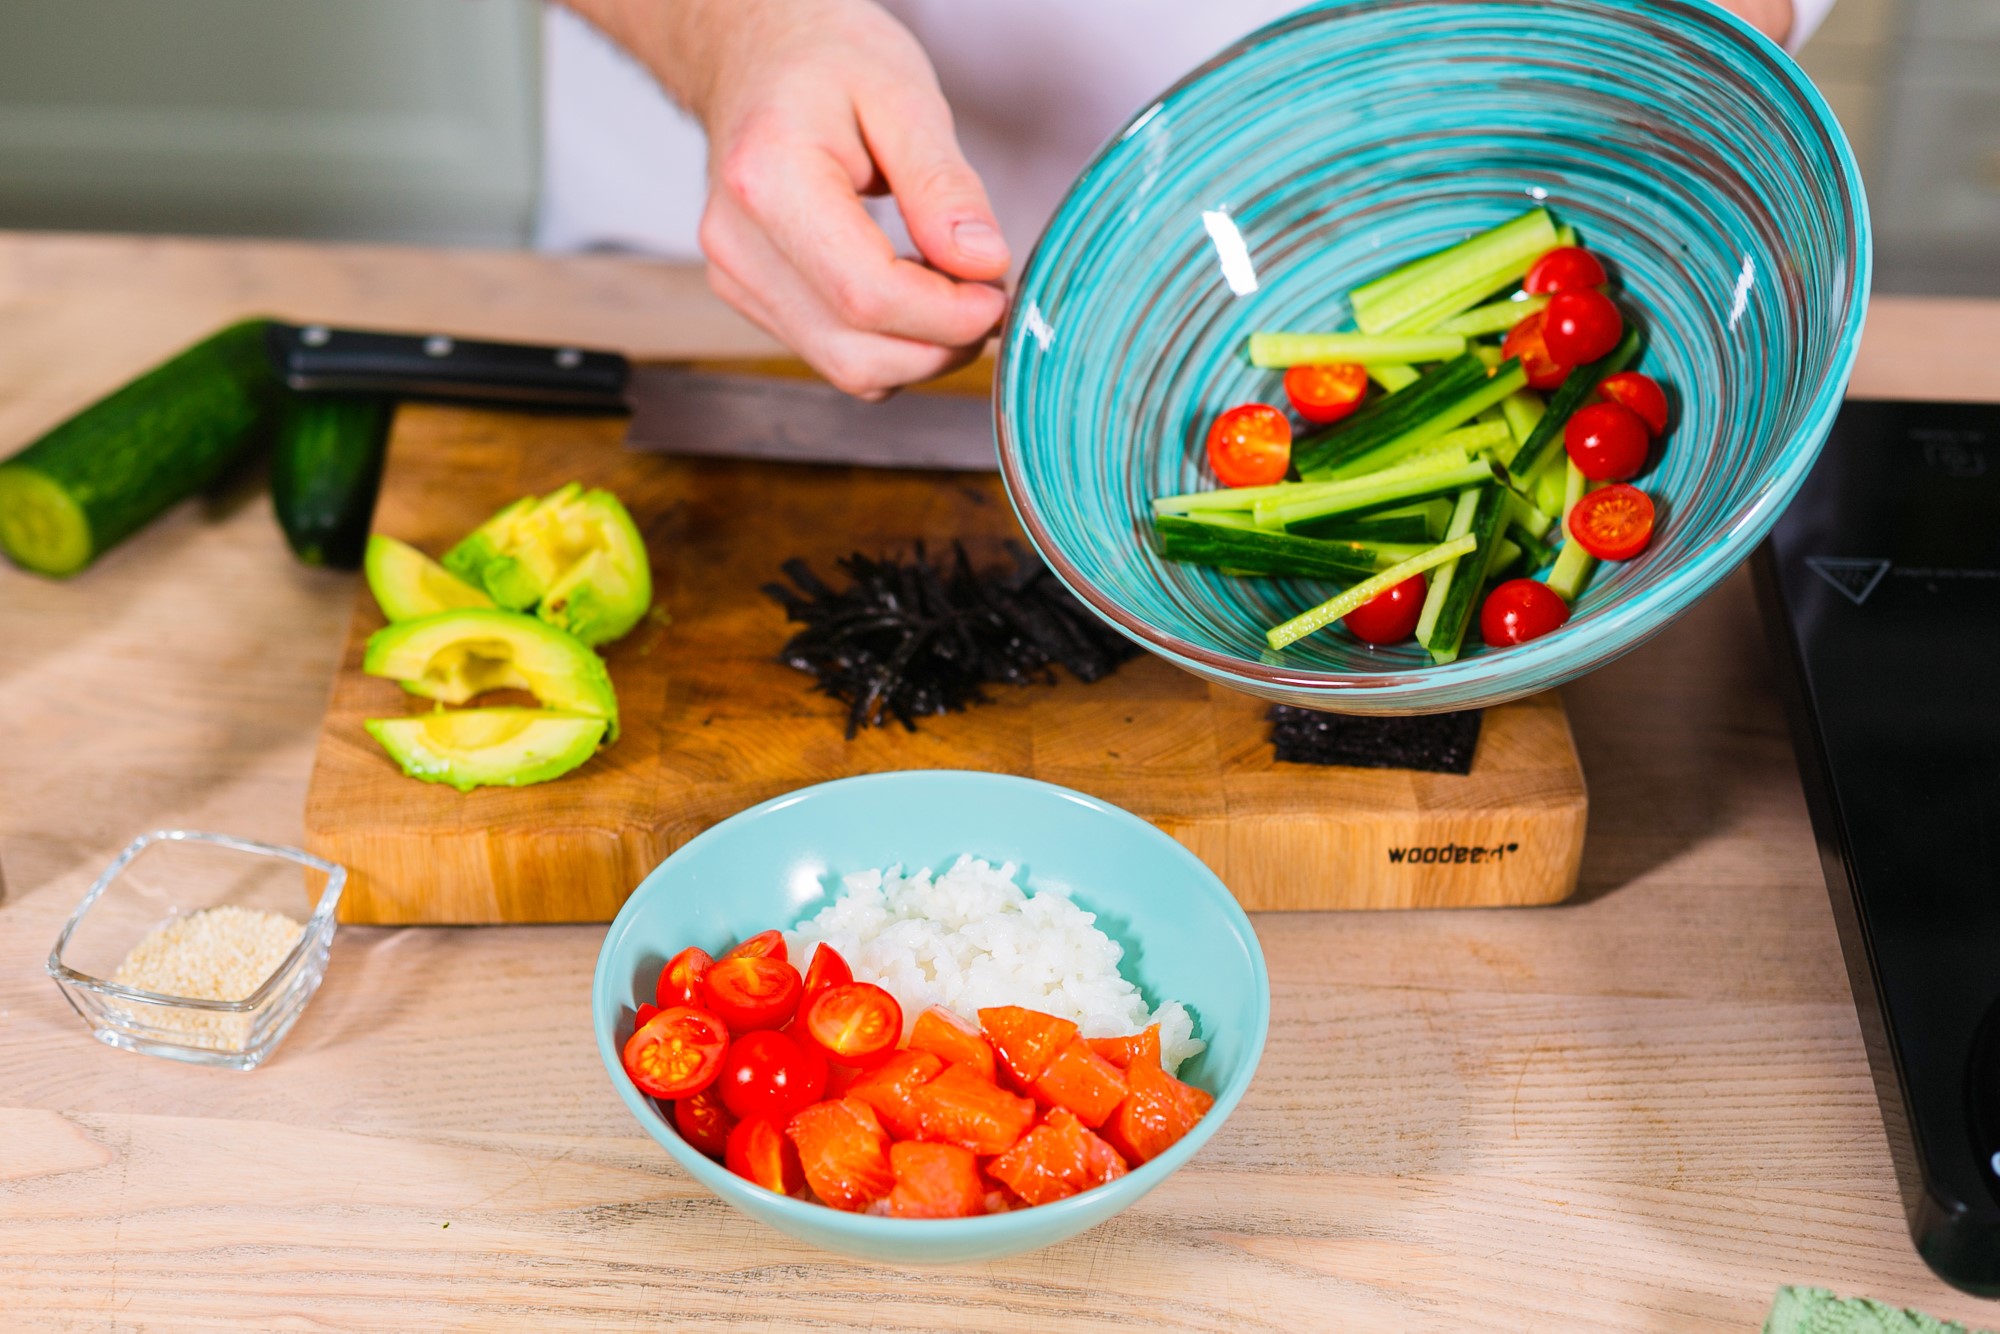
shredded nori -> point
(910, 638)
(1437, 742)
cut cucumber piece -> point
(99, 477)
(1391, 490)
(1489, 516)
(1326, 613)
(1493, 317)
(325, 467)
(470, 748)
(1250, 551)
(455, 656)
(1441, 580)
(1386, 418)
(1276, 351)
(1575, 392)
(1420, 295)
(408, 584)
(1429, 425)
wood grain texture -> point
(712, 723)
(1641, 1110)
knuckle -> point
(858, 302)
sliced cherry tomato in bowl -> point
(1642, 394)
(1325, 393)
(1580, 324)
(1390, 616)
(856, 1024)
(1606, 441)
(1525, 341)
(752, 991)
(763, 945)
(1612, 522)
(1250, 445)
(1564, 268)
(827, 969)
(1519, 610)
(704, 1121)
(644, 1015)
(680, 980)
(759, 1150)
(678, 1053)
(767, 1073)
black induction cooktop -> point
(1881, 589)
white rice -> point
(972, 938)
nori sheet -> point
(1434, 742)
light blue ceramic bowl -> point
(1355, 136)
(772, 865)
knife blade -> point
(714, 414)
(688, 410)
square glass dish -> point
(181, 921)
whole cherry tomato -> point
(677, 1053)
(1612, 522)
(680, 980)
(752, 991)
(1580, 325)
(1525, 341)
(770, 1074)
(1642, 394)
(1564, 268)
(1606, 441)
(1250, 445)
(1520, 610)
(1324, 394)
(1391, 616)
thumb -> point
(941, 198)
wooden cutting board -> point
(713, 723)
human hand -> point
(809, 105)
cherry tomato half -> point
(1391, 616)
(759, 1150)
(1250, 445)
(752, 991)
(1580, 325)
(1520, 610)
(1606, 441)
(704, 1122)
(1613, 522)
(763, 945)
(678, 1052)
(1565, 267)
(1642, 394)
(856, 1024)
(770, 1074)
(680, 980)
(1324, 394)
(1525, 341)
(827, 969)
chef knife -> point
(675, 409)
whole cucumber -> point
(99, 477)
(325, 466)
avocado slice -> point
(470, 748)
(453, 656)
(408, 584)
(574, 556)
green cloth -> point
(1817, 1311)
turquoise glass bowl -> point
(1353, 137)
(772, 865)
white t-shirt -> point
(1036, 87)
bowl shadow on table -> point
(1662, 782)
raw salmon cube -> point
(958, 1107)
(844, 1152)
(935, 1181)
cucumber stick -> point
(1489, 517)
(1454, 278)
(1249, 551)
(105, 473)
(1426, 425)
(1275, 351)
(1441, 580)
(325, 465)
(1493, 317)
(1386, 417)
(1326, 613)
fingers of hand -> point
(910, 137)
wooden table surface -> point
(1643, 1110)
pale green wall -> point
(410, 120)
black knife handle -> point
(313, 357)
